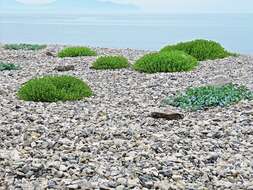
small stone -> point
(73, 186)
(103, 187)
(2, 92)
(221, 80)
(48, 53)
(166, 114)
(176, 177)
(59, 174)
(162, 185)
(120, 187)
(65, 68)
(51, 184)
(9, 154)
(212, 158)
(26, 168)
(29, 174)
(132, 182)
(166, 173)
(63, 168)
(148, 184)
(122, 181)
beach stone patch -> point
(109, 141)
(64, 68)
(2, 92)
(220, 80)
(9, 154)
(165, 113)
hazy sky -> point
(160, 6)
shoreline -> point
(56, 46)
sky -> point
(137, 6)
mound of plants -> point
(172, 61)
(8, 66)
(53, 89)
(210, 96)
(110, 62)
(76, 52)
(200, 49)
(24, 47)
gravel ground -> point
(108, 141)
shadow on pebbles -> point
(108, 141)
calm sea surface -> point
(234, 31)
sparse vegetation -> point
(200, 49)
(210, 96)
(172, 61)
(24, 47)
(8, 66)
(110, 62)
(76, 52)
(54, 88)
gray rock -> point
(48, 53)
(65, 68)
(166, 114)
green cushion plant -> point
(54, 88)
(8, 66)
(110, 62)
(172, 61)
(200, 49)
(24, 47)
(210, 96)
(76, 52)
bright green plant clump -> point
(54, 88)
(8, 66)
(24, 46)
(110, 62)
(172, 61)
(200, 49)
(76, 52)
(210, 96)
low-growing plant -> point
(172, 61)
(200, 49)
(110, 62)
(8, 66)
(24, 46)
(76, 52)
(53, 89)
(210, 96)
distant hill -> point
(65, 6)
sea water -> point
(151, 32)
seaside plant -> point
(200, 49)
(24, 47)
(210, 96)
(8, 66)
(172, 61)
(76, 52)
(110, 62)
(53, 89)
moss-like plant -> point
(210, 96)
(172, 61)
(8, 66)
(24, 47)
(76, 52)
(54, 88)
(200, 49)
(110, 62)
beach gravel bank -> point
(108, 141)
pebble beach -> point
(109, 141)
